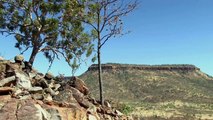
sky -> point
(162, 32)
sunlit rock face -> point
(26, 94)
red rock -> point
(5, 90)
(28, 111)
(8, 111)
(80, 85)
(7, 81)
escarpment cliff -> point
(151, 83)
(113, 66)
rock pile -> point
(26, 94)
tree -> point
(48, 26)
(105, 18)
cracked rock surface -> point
(26, 94)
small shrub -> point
(126, 109)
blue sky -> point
(162, 32)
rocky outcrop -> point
(181, 67)
(29, 109)
(28, 95)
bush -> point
(126, 109)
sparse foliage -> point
(105, 18)
(51, 27)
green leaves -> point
(53, 27)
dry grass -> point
(158, 94)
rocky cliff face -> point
(26, 94)
(183, 67)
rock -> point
(42, 112)
(3, 66)
(80, 98)
(65, 96)
(91, 117)
(108, 117)
(17, 93)
(5, 90)
(80, 85)
(2, 69)
(30, 111)
(37, 96)
(19, 58)
(49, 76)
(48, 97)
(2, 75)
(11, 68)
(54, 114)
(56, 86)
(14, 109)
(51, 83)
(43, 83)
(117, 112)
(74, 114)
(34, 75)
(92, 109)
(91, 99)
(8, 111)
(36, 90)
(36, 79)
(24, 97)
(49, 90)
(7, 81)
(106, 103)
(23, 81)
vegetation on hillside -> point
(157, 90)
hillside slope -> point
(159, 92)
(135, 83)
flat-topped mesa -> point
(174, 67)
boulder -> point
(65, 96)
(19, 58)
(80, 97)
(18, 93)
(15, 109)
(54, 114)
(36, 90)
(80, 85)
(37, 96)
(30, 111)
(23, 81)
(7, 81)
(48, 98)
(92, 117)
(117, 112)
(50, 91)
(8, 111)
(107, 104)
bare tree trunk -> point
(100, 75)
(33, 55)
(99, 60)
